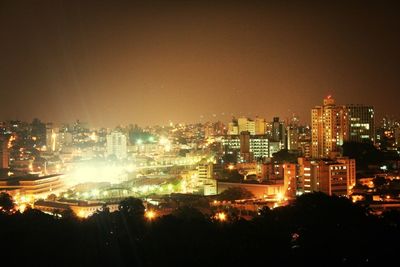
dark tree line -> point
(316, 230)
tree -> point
(285, 155)
(235, 193)
(232, 175)
(265, 211)
(365, 154)
(52, 197)
(68, 214)
(230, 157)
(132, 206)
(379, 181)
(188, 213)
(6, 202)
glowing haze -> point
(148, 62)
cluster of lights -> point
(150, 215)
(145, 189)
(22, 202)
(221, 216)
(98, 173)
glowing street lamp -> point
(22, 208)
(279, 196)
(150, 215)
(221, 216)
(81, 214)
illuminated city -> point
(185, 133)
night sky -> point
(149, 62)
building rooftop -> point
(68, 203)
(28, 178)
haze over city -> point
(199, 133)
(151, 62)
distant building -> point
(32, 185)
(245, 153)
(329, 129)
(333, 176)
(258, 190)
(233, 128)
(81, 209)
(250, 146)
(4, 154)
(246, 125)
(292, 138)
(117, 145)
(290, 179)
(214, 129)
(38, 132)
(272, 172)
(278, 133)
(205, 170)
(361, 123)
(273, 148)
(397, 136)
(260, 127)
(52, 138)
(306, 181)
(205, 175)
(349, 171)
(66, 139)
(304, 141)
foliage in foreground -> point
(315, 230)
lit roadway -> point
(159, 166)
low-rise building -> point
(258, 190)
(82, 209)
(331, 176)
(32, 186)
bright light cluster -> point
(96, 173)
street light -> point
(221, 216)
(150, 215)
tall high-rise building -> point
(205, 174)
(329, 129)
(273, 147)
(278, 133)
(249, 147)
(293, 134)
(251, 126)
(208, 129)
(242, 124)
(214, 128)
(292, 137)
(305, 179)
(205, 170)
(246, 125)
(38, 132)
(66, 139)
(397, 136)
(290, 171)
(361, 123)
(259, 125)
(245, 146)
(52, 138)
(4, 154)
(233, 128)
(117, 144)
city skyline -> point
(149, 63)
(199, 132)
